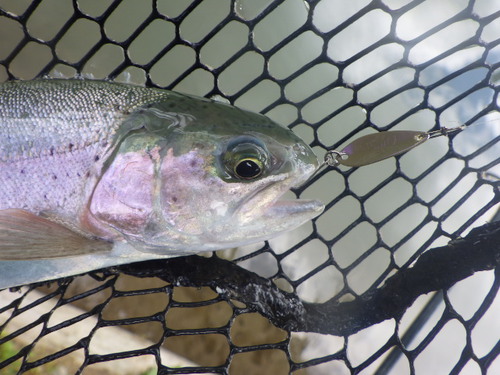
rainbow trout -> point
(95, 174)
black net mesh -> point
(331, 70)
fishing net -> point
(369, 287)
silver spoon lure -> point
(375, 147)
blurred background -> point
(332, 71)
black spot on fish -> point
(54, 177)
(96, 158)
(199, 146)
(119, 108)
(22, 171)
(174, 199)
(192, 163)
(51, 151)
(70, 147)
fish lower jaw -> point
(307, 208)
(280, 215)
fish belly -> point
(17, 273)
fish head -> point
(210, 179)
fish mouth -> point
(308, 208)
(265, 215)
(290, 209)
(266, 204)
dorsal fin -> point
(24, 235)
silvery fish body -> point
(96, 174)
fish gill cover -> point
(372, 286)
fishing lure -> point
(376, 147)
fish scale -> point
(51, 134)
(43, 117)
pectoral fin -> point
(24, 236)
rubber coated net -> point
(338, 295)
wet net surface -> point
(331, 71)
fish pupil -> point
(248, 169)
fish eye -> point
(248, 168)
(245, 158)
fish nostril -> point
(299, 148)
(303, 151)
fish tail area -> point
(25, 236)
